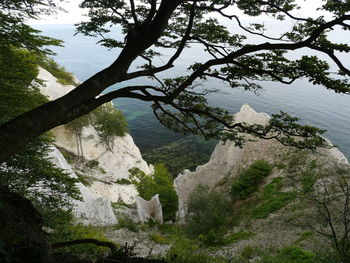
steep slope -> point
(114, 163)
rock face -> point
(114, 163)
(149, 209)
(91, 210)
(227, 160)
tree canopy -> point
(179, 103)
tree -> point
(326, 195)
(177, 102)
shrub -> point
(126, 222)
(250, 179)
(290, 255)
(109, 123)
(159, 239)
(160, 182)
(208, 213)
(63, 77)
(74, 232)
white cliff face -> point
(228, 160)
(115, 162)
(91, 210)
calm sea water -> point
(313, 104)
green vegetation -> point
(250, 179)
(160, 182)
(123, 181)
(109, 123)
(126, 222)
(189, 257)
(84, 179)
(59, 72)
(290, 255)
(185, 153)
(208, 216)
(238, 236)
(273, 199)
(68, 232)
(160, 239)
(31, 167)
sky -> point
(75, 14)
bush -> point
(208, 213)
(63, 77)
(109, 123)
(249, 180)
(89, 252)
(126, 222)
(160, 182)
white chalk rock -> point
(91, 210)
(149, 209)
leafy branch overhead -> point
(154, 36)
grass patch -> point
(272, 205)
(84, 251)
(273, 199)
(290, 255)
(84, 179)
(63, 77)
(160, 239)
(250, 179)
(236, 237)
(308, 181)
(126, 222)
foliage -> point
(208, 213)
(59, 72)
(250, 179)
(160, 239)
(15, 33)
(126, 222)
(189, 257)
(290, 255)
(179, 102)
(84, 179)
(273, 199)
(31, 169)
(238, 236)
(185, 153)
(160, 182)
(109, 123)
(328, 200)
(123, 181)
(68, 232)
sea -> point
(313, 104)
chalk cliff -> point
(113, 164)
(228, 160)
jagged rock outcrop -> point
(228, 160)
(114, 163)
(151, 209)
(91, 210)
